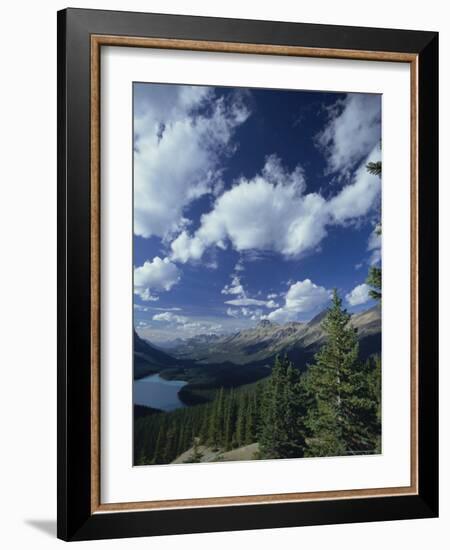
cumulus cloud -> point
(353, 130)
(272, 212)
(180, 132)
(170, 317)
(356, 199)
(234, 288)
(359, 295)
(158, 275)
(185, 248)
(267, 212)
(303, 298)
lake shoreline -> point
(158, 393)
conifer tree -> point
(374, 276)
(373, 370)
(294, 413)
(142, 459)
(374, 168)
(220, 418)
(250, 420)
(374, 280)
(240, 421)
(282, 429)
(204, 424)
(343, 413)
(212, 424)
(216, 421)
(157, 457)
(229, 420)
(169, 452)
(269, 433)
(180, 440)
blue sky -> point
(250, 204)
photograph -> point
(257, 269)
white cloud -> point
(211, 264)
(234, 288)
(199, 327)
(162, 103)
(242, 300)
(188, 325)
(138, 307)
(272, 296)
(184, 248)
(233, 313)
(359, 295)
(257, 315)
(180, 132)
(263, 213)
(245, 312)
(170, 317)
(353, 130)
(163, 308)
(356, 200)
(271, 212)
(146, 295)
(374, 246)
(375, 257)
(303, 298)
(155, 276)
(252, 302)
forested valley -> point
(333, 408)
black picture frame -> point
(75, 518)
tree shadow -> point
(47, 526)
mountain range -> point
(148, 359)
(209, 361)
(267, 339)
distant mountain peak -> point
(317, 319)
(265, 323)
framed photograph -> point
(248, 294)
